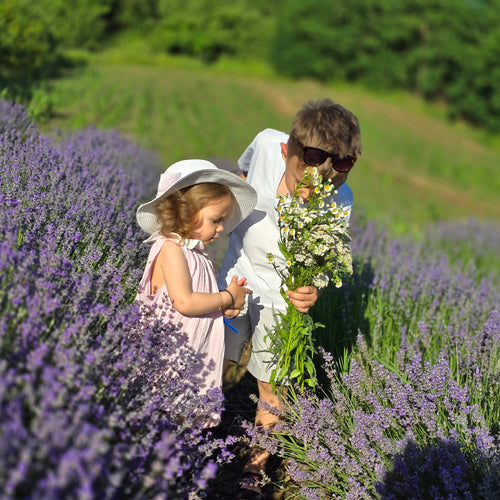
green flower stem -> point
(293, 334)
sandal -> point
(250, 487)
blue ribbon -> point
(227, 322)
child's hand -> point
(238, 292)
(231, 313)
(303, 298)
(242, 282)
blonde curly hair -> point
(178, 212)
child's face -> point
(211, 219)
(296, 168)
(294, 171)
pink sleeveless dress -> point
(205, 334)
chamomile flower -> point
(315, 245)
(300, 257)
(321, 280)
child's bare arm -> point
(177, 278)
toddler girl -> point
(196, 203)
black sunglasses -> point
(314, 157)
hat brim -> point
(244, 194)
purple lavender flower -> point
(14, 117)
(411, 378)
(86, 407)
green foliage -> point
(41, 106)
(137, 15)
(28, 50)
(348, 40)
(79, 23)
(33, 38)
(207, 29)
(444, 49)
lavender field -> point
(409, 363)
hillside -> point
(416, 166)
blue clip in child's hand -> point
(227, 322)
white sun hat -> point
(188, 173)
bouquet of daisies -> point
(316, 246)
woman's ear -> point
(284, 150)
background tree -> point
(443, 49)
(28, 50)
(208, 29)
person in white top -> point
(324, 135)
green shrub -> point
(28, 50)
(79, 23)
(208, 29)
(137, 15)
(443, 49)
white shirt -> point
(258, 234)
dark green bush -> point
(136, 15)
(208, 29)
(79, 23)
(443, 49)
(33, 39)
(28, 50)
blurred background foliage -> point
(444, 50)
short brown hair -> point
(326, 125)
(178, 212)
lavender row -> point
(86, 408)
(15, 117)
(472, 240)
(411, 400)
